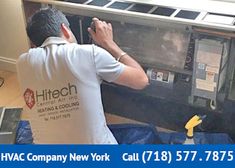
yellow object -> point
(193, 122)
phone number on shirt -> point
(179, 156)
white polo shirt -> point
(60, 82)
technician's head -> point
(48, 23)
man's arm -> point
(133, 75)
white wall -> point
(13, 39)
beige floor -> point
(10, 97)
(10, 92)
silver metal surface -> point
(161, 77)
(136, 17)
(2, 112)
(210, 65)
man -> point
(60, 80)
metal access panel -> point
(153, 46)
(210, 64)
(9, 119)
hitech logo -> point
(29, 98)
(45, 95)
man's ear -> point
(32, 45)
(65, 30)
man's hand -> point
(103, 34)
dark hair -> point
(45, 23)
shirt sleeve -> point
(107, 67)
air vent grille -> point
(141, 8)
(119, 5)
(187, 14)
(99, 2)
(164, 11)
(77, 1)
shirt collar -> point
(53, 40)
